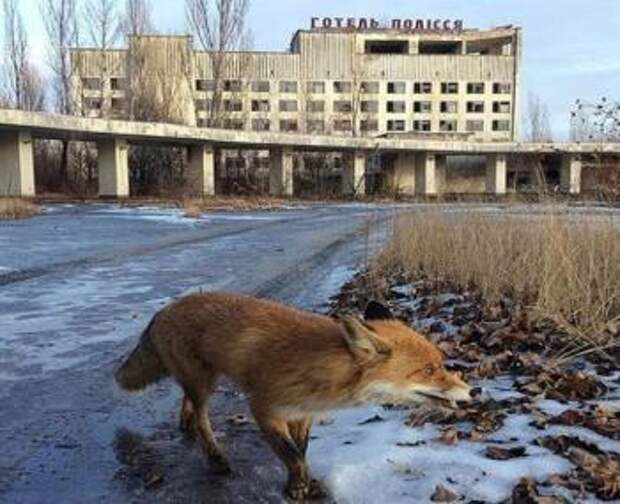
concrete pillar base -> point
(570, 175)
(281, 172)
(425, 179)
(496, 174)
(201, 169)
(354, 175)
(403, 175)
(113, 162)
(16, 164)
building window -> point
(118, 84)
(369, 87)
(91, 83)
(475, 107)
(369, 125)
(261, 106)
(315, 87)
(371, 107)
(342, 87)
(118, 104)
(315, 106)
(233, 124)
(288, 106)
(424, 125)
(205, 85)
(502, 88)
(449, 107)
(92, 103)
(475, 125)
(288, 87)
(233, 86)
(233, 105)
(503, 125)
(343, 106)
(396, 107)
(397, 87)
(261, 86)
(260, 124)
(475, 88)
(396, 125)
(423, 107)
(288, 125)
(501, 107)
(202, 105)
(342, 125)
(447, 125)
(423, 87)
(315, 126)
(449, 87)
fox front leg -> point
(300, 485)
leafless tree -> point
(60, 24)
(219, 26)
(138, 18)
(598, 121)
(538, 128)
(16, 47)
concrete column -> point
(354, 175)
(16, 164)
(496, 174)
(403, 177)
(113, 163)
(425, 180)
(201, 169)
(281, 172)
(440, 173)
(570, 175)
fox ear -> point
(377, 311)
(364, 343)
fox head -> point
(397, 364)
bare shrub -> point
(560, 268)
(17, 208)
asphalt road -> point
(78, 284)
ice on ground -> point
(386, 461)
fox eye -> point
(429, 370)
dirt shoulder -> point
(532, 407)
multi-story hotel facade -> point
(431, 78)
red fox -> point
(290, 363)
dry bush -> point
(17, 208)
(561, 268)
(194, 207)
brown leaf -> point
(443, 494)
(450, 436)
(498, 453)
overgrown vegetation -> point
(194, 207)
(553, 268)
(17, 208)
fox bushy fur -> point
(290, 363)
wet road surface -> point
(78, 284)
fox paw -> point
(306, 490)
(220, 465)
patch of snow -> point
(362, 463)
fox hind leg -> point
(187, 416)
(197, 400)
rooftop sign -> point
(405, 25)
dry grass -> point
(563, 269)
(194, 207)
(17, 208)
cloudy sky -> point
(571, 47)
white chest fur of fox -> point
(291, 364)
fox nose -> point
(475, 392)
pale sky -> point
(571, 47)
